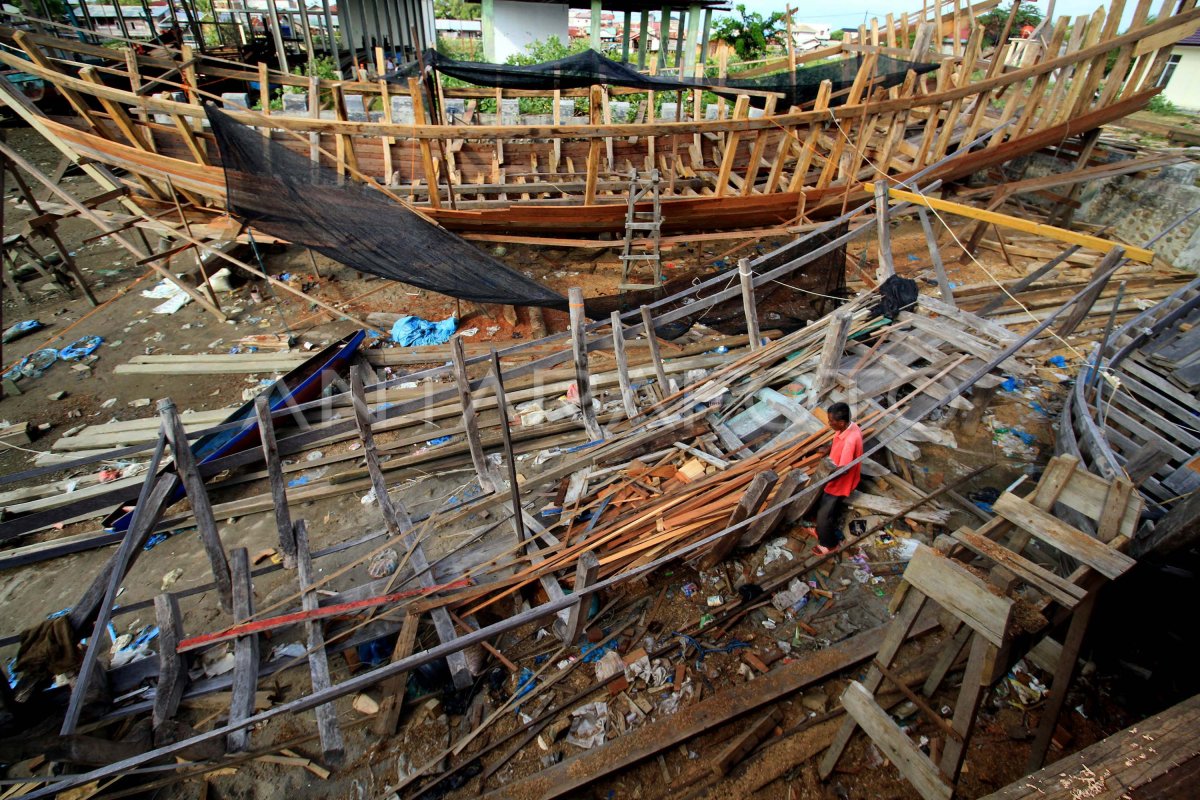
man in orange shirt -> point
(847, 445)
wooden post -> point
(627, 396)
(332, 746)
(660, 373)
(579, 347)
(206, 524)
(514, 489)
(587, 567)
(749, 306)
(153, 499)
(470, 417)
(245, 651)
(431, 181)
(172, 668)
(935, 255)
(836, 333)
(399, 523)
(886, 266)
(283, 516)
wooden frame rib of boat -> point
(1137, 416)
(734, 172)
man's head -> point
(839, 416)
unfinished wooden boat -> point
(1137, 414)
(300, 385)
(558, 179)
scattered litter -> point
(174, 295)
(588, 725)
(468, 332)
(384, 564)
(794, 597)
(216, 661)
(169, 579)
(777, 549)
(289, 650)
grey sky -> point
(850, 13)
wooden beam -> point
(172, 667)
(1016, 223)
(579, 350)
(587, 567)
(627, 397)
(749, 304)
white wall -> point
(1184, 87)
(518, 24)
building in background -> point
(1180, 81)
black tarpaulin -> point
(589, 67)
(286, 195)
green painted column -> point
(689, 45)
(664, 36)
(679, 38)
(625, 35)
(596, 11)
(488, 30)
(644, 39)
(704, 32)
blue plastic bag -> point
(80, 348)
(414, 331)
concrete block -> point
(619, 111)
(402, 111)
(295, 103)
(356, 109)
(711, 110)
(668, 112)
(235, 100)
(510, 112)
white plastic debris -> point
(588, 725)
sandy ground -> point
(128, 327)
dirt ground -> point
(128, 327)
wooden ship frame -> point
(548, 181)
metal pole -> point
(331, 36)
(277, 34)
(644, 39)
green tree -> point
(993, 22)
(457, 9)
(749, 33)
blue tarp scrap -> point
(33, 365)
(525, 683)
(592, 653)
(80, 348)
(414, 332)
(23, 328)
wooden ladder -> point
(643, 227)
(983, 620)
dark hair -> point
(840, 412)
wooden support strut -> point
(245, 651)
(283, 516)
(483, 470)
(206, 524)
(749, 304)
(579, 349)
(172, 665)
(627, 397)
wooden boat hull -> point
(308, 381)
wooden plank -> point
(887, 267)
(836, 333)
(587, 567)
(1063, 591)
(751, 500)
(957, 590)
(245, 651)
(1119, 765)
(745, 742)
(1108, 562)
(914, 765)
(394, 688)
(568, 776)
(660, 373)
(332, 746)
(976, 679)
(1138, 254)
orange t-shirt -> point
(847, 446)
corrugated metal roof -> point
(1191, 41)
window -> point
(1169, 71)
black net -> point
(288, 196)
(589, 67)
